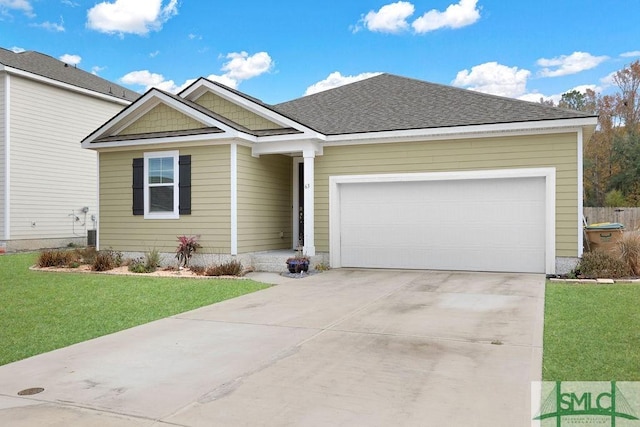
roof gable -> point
(234, 112)
(162, 118)
(388, 103)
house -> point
(48, 183)
(387, 172)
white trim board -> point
(549, 174)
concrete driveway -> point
(341, 348)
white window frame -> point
(176, 175)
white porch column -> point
(309, 203)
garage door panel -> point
(488, 225)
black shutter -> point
(184, 185)
(138, 186)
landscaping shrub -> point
(198, 269)
(87, 255)
(629, 251)
(231, 268)
(57, 258)
(137, 265)
(148, 264)
(602, 264)
(152, 260)
(187, 246)
(107, 260)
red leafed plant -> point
(187, 246)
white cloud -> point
(52, 26)
(336, 79)
(569, 64)
(536, 96)
(22, 5)
(17, 49)
(608, 80)
(130, 16)
(494, 78)
(70, 3)
(455, 16)
(631, 54)
(224, 79)
(149, 80)
(97, 69)
(70, 59)
(241, 66)
(154, 54)
(391, 18)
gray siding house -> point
(48, 183)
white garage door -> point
(478, 225)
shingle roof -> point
(47, 66)
(387, 102)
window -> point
(162, 185)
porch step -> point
(272, 261)
(276, 261)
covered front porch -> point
(303, 191)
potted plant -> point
(298, 263)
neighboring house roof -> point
(387, 102)
(49, 67)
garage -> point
(482, 221)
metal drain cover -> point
(30, 391)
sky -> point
(279, 50)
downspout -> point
(7, 157)
(96, 223)
(580, 193)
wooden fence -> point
(629, 217)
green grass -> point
(591, 332)
(43, 311)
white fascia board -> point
(64, 86)
(202, 139)
(258, 109)
(293, 137)
(285, 147)
(478, 131)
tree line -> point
(612, 155)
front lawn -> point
(591, 332)
(43, 311)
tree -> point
(612, 156)
(628, 99)
(573, 100)
(599, 163)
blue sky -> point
(279, 50)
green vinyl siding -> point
(264, 202)
(210, 200)
(162, 118)
(554, 150)
(235, 113)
